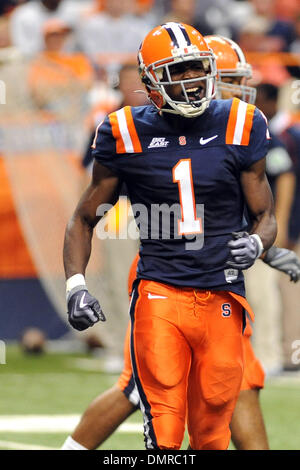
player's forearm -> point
(77, 246)
(265, 226)
(102, 189)
(260, 203)
(83, 308)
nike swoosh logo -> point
(150, 296)
(205, 141)
(82, 305)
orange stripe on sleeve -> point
(132, 130)
(96, 135)
(232, 121)
(113, 119)
(248, 124)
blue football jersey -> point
(183, 180)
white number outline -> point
(185, 193)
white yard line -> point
(9, 445)
(52, 424)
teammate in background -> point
(188, 304)
(264, 292)
(287, 127)
(110, 409)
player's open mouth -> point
(196, 93)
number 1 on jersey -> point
(182, 175)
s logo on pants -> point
(226, 310)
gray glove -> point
(83, 309)
(284, 260)
(244, 250)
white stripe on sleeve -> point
(124, 131)
(240, 122)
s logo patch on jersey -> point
(226, 310)
(182, 140)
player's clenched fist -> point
(83, 309)
(244, 249)
(284, 260)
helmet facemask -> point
(158, 75)
(243, 71)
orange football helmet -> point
(169, 44)
(231, 63)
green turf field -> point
(60, 386)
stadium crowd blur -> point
(60, 61)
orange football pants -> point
(254, 374)
(187, 358)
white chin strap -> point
(188, 110)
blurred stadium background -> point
(60, 63)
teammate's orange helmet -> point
(169, 44)
(231, 62)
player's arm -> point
(246, 248)
(260, 202)
(83, 309)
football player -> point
(187, 309)
(110, 409)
